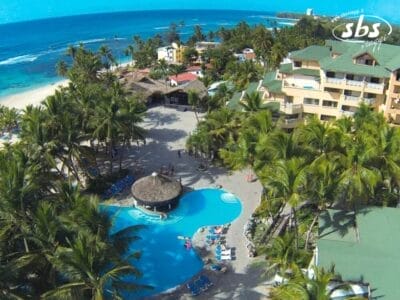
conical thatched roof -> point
(156, 189)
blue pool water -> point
(165, 263)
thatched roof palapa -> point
(156, 190)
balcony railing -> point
(290, 108)
(351, 98)
(341, 81)
(369, 101)
(375, 86)
(314, 85)
(335, 80)
(354, 82)
(348, 113)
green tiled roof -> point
(273, 85)
(288, 69)
(371, 253)
(315, 53)
(270, 76)
(387, 56)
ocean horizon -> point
(30, 50)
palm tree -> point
(62, 68)
(320, 138)
(194, 101)
(241, 153)
(130, 51)
(19, 193)
(91, 271)
(322, 187)
(285, 180)
(301, 287)
(251, 102)
(106, 56)
(358, 177)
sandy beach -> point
(34, 97)
(37, 95)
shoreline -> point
(32, 97)
(36, 95)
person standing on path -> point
(179, 153)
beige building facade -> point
(331, 81)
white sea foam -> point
(91, 41)
(225, 24)
(161, 28)
(19, 59)
(287, 23)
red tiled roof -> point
(184, 77)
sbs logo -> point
(358, 28)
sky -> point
(22, 10)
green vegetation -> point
(346, 164)
(55, 240)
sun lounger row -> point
(199, 285)
(119, 186)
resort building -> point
(183, 78)
(246, 54)
(363, 247)
(202, 47)
(172, 54)
(331, 81)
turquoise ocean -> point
(30, 50)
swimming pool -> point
(165, 263)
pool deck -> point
(168, 130)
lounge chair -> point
(205, 281)
(224, 257)
(194, 290)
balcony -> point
(302, 84)
(291, 109)
(347, 113)
(351, 98)
(355, 83)
(375, 86)
(369, 101)
(335, 80)
(290, 123)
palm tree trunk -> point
(296, 229)
(310, 230)
(121, 155)
(111, 157)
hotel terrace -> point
(331, 81)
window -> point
(328, 103)
(330, 74)
(297, 64)
(374, 80)
(332, 90)
(350, 76)
(369, 62)
(310, 101)
(327, 118)
(398, 75)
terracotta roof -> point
(184, 77)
